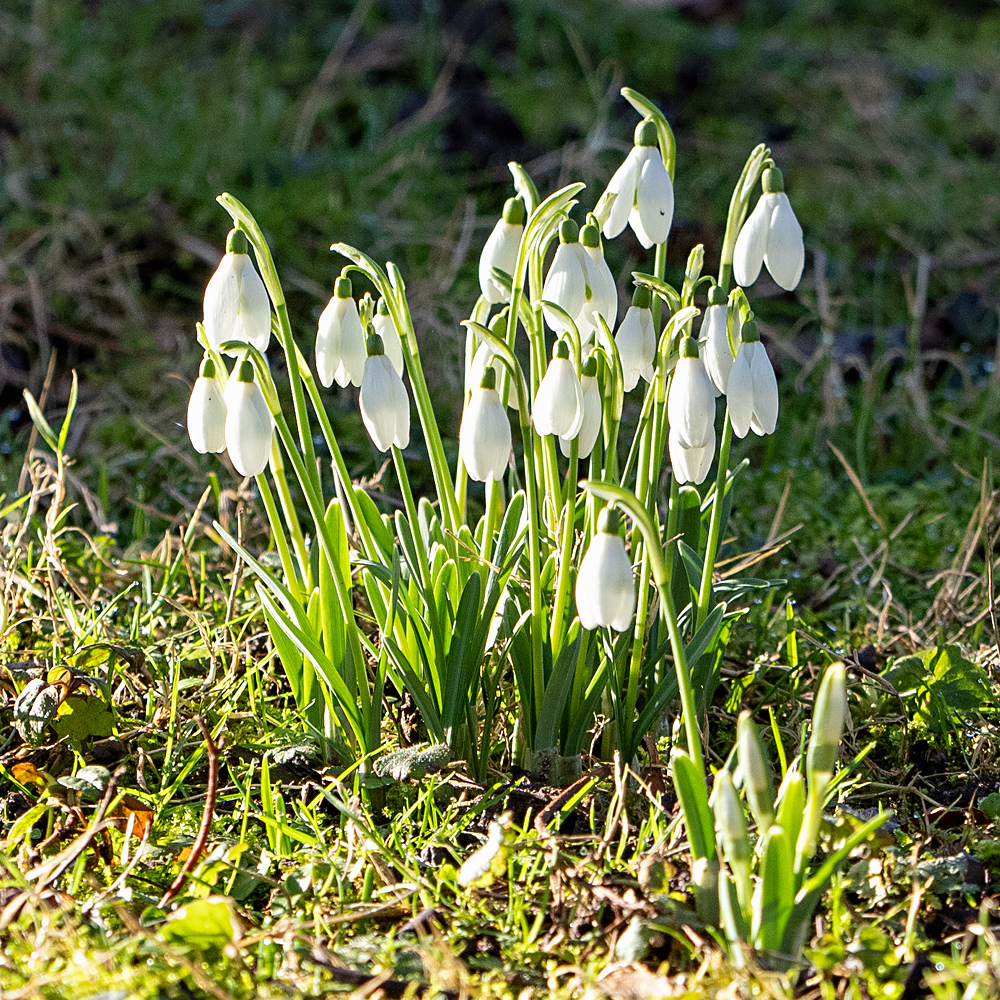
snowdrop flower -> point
(771, 235)
(593, 414)
(605, 589)
(645, 193)
(500, 251)
(484, 436)
(601, 293)
(249, 425)
(753, 389)
(206, 414)
(636, 340)
(340, 341)
(385, 407)
(715, 336)
(691, 416)
(485, 358)
(566, 283)
(558, 407)
(386, 329)
(236, 302)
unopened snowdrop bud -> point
(605, 589)
(645, 193)
(500, 251)
(730, 820)
(484, 437)
(828, 723)
(593, 413)
(757, 782)
(603, 292)
(206, 414)
(385, 407)
(636, 340)
(236, 302)
(558, 407)
(249, 425)
(691, 417)
(752, 390)
(340, 340)
(771, 235)
(714, 332)
(566, 284)
(386, 329)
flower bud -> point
(828, 722)
(386, 329)
(500, 251)
(756, 772)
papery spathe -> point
(237, 306)
(605, 588)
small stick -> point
(212, 752)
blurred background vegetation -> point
(388, 124)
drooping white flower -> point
(771, 235)
(558, 406)
(484, 437)
(340, 341)
(690, 465)
(645, 193)
(385, 407)
(485, 358)
(593, 414)
(605, 588)
(566, 284)
(716, 352)
(691, 403)
(753, 390)
(236, 303)
(386, 329)
(636, 340)
(601, 292)
(500, 251)
(206, 413)
(249, 424)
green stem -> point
(411, 513)
(715, 524)
(280, 541)
(291, 517)
(561, 600)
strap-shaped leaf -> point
(464, 657)
(557, 689)
(733, 921)
(693, 795)
(776, 895)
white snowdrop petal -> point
(565, 285)
(328, 341)
(500, 252)
(384, 405)
(593, 418)
(221, 302)
(558, 407)
(352, 346)
(249, 427)
(635, 221)
(254, 307)
(765, 390)
(605, 589)
(623, 184)
(602, 283)
(484, 436)
(740, 393)
(691, 403)
(391, 343)
(655, 197)
(630, 340)
(206, 416)
(717, 354)
(785, 253)
(748, 254)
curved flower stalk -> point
(236, 302)
(593, 414)
(691, 416)
(772, 236)
(644, 193)
(484, 437)
(206, 413)
(500, 251)
(605, 589)
(558, 406)
(386, 329)
(718, 355)
(340, 339)
(636, 340)
(249, 425)
(385, 407)
(753, 389)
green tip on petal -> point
(590, 236)
(772, 182)
(716, 296)
(560, 350)
(689, 347)
(375, 345)
(245, 371)
(569, 232)
(236, 242)
(609, 521)
(343, 288)
(750, 334)
(383, 307)
(642, 297)
(590, 367)
(514, 212)
(645, 133)
(207, 369)
(489, 379)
